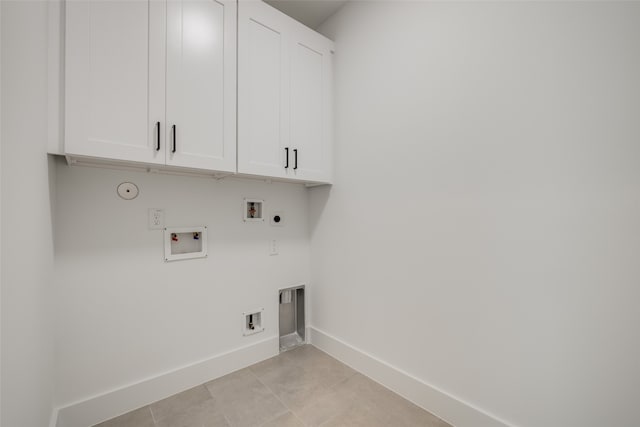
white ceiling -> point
(312, 13)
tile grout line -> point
(274, 395)
(298, 418)
(333, 386)
(279, 400)
(212, 397)
(302, 360)
(330, 387)
(153, 417)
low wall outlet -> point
(156, 219)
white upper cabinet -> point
(201, 84)
(310, 109)
(114, 75)
(263, 130)
(157, 82)
(284, 96)
(152, 82)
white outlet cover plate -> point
(273, 247)
(156, 219)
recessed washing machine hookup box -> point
(185, 243)
(253, 210)
(252, 322)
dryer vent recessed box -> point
(185, 243)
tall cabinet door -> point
(201, 84)
(114, 79)
(263, 90)
(311, 90)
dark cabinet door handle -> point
(295, 158)
(157, 136)
(173, 129)
(286, 150)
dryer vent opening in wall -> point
(291, 318)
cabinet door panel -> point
(201, 84)
(284, 96)
(311, 103)
(109, 48)
(262, 121)
(307, 113)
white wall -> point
(124, 315)
(1, 197)
(483, 232)
(27, 248)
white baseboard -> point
(99, 408)
(442, 404)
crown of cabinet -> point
(166, 85)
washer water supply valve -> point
(253, 210)
(252, 322)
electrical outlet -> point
(273, 247)
(156, 219)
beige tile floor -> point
(301, 387)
